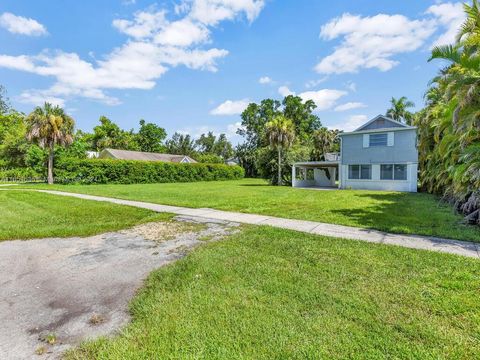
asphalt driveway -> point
(57, 292)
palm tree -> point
(399, 110)
(49, 126)
(281, 134)
(324, 141)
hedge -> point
(103, 171)
(20, 175)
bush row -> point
(101, 171)
(20, 175)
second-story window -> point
(378, 139)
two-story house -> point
(379, 155)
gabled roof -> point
(143, 156)
(393, 123)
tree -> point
(399, 110)
(254, 119)
(324, 141)
(281, 134)
(206, 143)
(4, 102)
(109, 135)
(222, 147)
(49, 126)
(449, 125)
(253, 129)
(301, 114)
(180, 144)
(150, 137)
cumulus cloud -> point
(350, 106)
(230, 107)
(154, 45)
(285, 91)
(350, 124)
(324, 99)
(265, 80)
(371, 42)
(21, 25)
(450, 17)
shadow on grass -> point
(405, 213)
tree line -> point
(48, 134)
(449, 124)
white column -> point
(294, 176)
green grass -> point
(27, 215)
(275, 294)
(409, 213)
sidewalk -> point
(457, 247)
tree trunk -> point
(279, 182)
(50, 165)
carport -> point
(315, 174)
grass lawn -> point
(27, 214)
(410, 213)
(275, 294)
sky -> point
(194, 65)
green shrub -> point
(102, 171)
(20, 175)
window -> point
(378, 140)
(386, 172)
(362, 172)
(310, 174)
(366, 172)
(393, 172)
(353, 171)
(400, 172)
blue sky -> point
(193, 65)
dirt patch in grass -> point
(165, 230)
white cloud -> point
(450, 17)
(211, 12)
(144, 25)
(265, 80)
(349, 106)
(230, 107)
(37, 98)
(371, 42)
(324, 99)
(285, 91)
(314, 83)
(21, 25)
(352, 123)
(232, 129)
(154, 45)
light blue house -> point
(379, 155)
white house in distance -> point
(379, 155)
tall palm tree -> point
(49, 126)
(281, 134)
(399, 110)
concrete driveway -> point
(57, 292)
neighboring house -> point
(232, 161)
(380, 155)
(143, 156)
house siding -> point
(404, 149)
